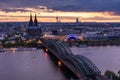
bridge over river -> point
(79, 66)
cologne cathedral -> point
(33, 28)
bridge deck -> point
(78, 64)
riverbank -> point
(94, 43)
(20, 49)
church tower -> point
(35, 21)
(31, 21)
(34, 30)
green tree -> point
(109, 73)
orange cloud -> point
(48, 15)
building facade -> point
(33, 29)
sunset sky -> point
(66, 10)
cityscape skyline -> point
(67, 11)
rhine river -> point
(105, 58)
(35, 65)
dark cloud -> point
(15, 10)
(67, 5)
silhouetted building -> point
(35, 21)
(33, 29)
(31, 20)
(77, 22)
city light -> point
(60, 39)
(59, 63)
(46, 50)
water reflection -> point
(38, 65)
(28, 65)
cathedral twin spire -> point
(31, 23)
